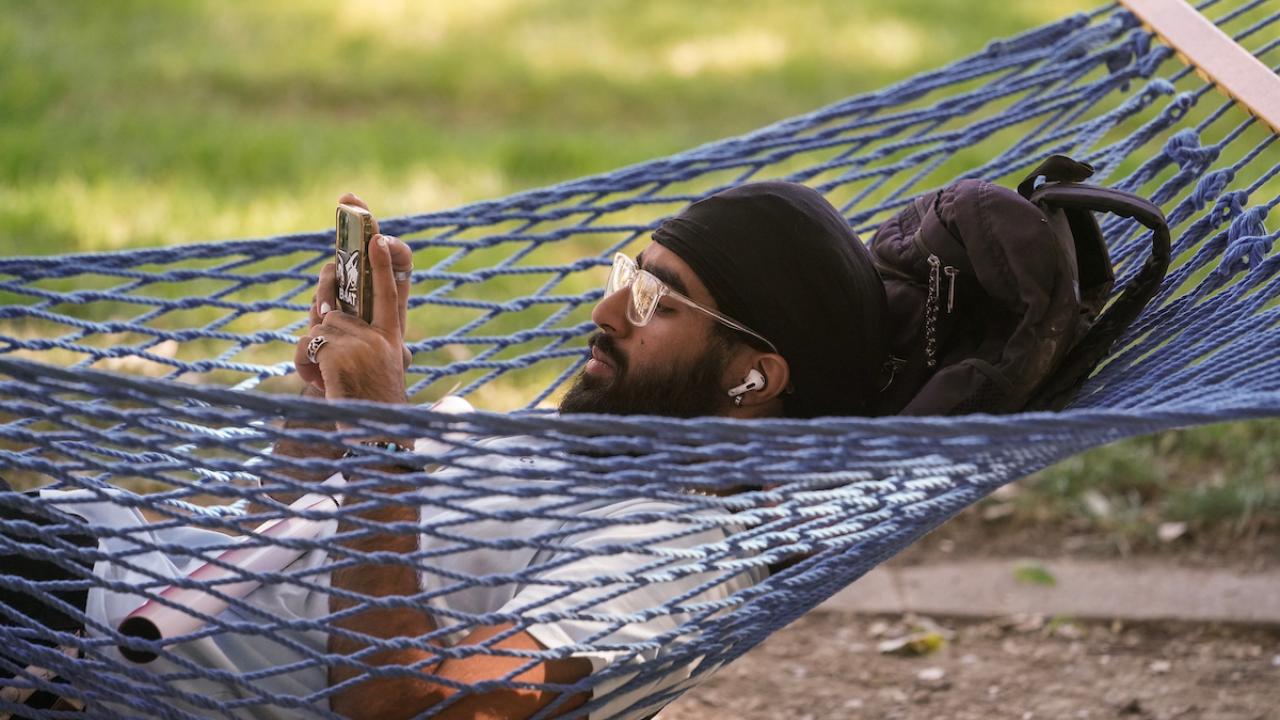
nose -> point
(610, 314)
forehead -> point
(671, 269)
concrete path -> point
(1085, 589)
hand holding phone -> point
(350, 354)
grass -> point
(135, 124)
(1221, 480)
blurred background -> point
(137, 123)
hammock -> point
(153, 383)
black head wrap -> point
(780, 259)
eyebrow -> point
(670, 278)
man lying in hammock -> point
(756, 302)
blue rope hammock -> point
(145, 388)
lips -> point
(604, 357)
(599, 356)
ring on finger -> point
(403, 275)
(313, 348)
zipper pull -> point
(951, 287)
(931, 312)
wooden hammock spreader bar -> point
(1217, 58)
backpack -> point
(995, 298)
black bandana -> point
(780, 259)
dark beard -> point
(671, 391)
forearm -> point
(381, 697)
(290, 447)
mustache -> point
(607, 346)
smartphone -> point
(355, 228)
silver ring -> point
(313, 347)
(403, 275)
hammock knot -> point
(1154, 90)
(1185, 149)
(1036, 39)
(1179, 106)
(1150, 61)
(1122, 57)
(1248, 226)
(1247, 242)
(1244, 245)
(1211, 186)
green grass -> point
(1218, 479)
(143, 123)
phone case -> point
(353, 231)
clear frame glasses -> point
(647, 291)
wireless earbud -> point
(753, 381)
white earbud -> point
(753, 381)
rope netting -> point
(143, 391)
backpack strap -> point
(1095, 345)
(1055, 168)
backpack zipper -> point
(936, 269)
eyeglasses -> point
(647, 291)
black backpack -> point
(994, 296)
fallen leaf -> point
(921, 643)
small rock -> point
(1160, 667)
(878, 628)
(1275, 661)
(1133, 707)
(1068, 631)
(993, 690)
(998, 511)
(947, 546)
(853, 703)
(1026, 623)
(931, 674)
(1007, 492)
(1096, 503)
(1169, 531)
(971, 659)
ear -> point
(767, 401)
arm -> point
(406, 697)
(367, 361)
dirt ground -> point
(830, 665)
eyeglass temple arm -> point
(723, 318)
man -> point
(756, 302)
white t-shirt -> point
(491, 528)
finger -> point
(327, 289)
(386, 301)
(308, 371)
(353, 199)
(402, 265)
(326, 297)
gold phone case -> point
(354, 229)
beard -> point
(690, 391)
